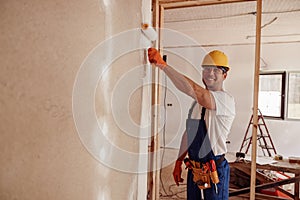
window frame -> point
(287, 99)
(283, 99)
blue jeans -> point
(194, 193)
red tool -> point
(214, 174)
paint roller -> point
(149, 32)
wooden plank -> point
(259, 196)
(193, 3)
(283, 166)
(262, 178)
(255, 99)
(285, 192)
(171, 1)
(297, 188)
(265, 186)
(154, 175)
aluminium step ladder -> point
(263, 136)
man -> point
(204, 140)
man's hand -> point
(177, 172)
(155, 58)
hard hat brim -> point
(223, 67)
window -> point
(271, 94)
(293, 102)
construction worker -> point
(204, 141)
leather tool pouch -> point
(202, 178)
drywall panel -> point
(43, 46)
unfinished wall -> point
(43, 44)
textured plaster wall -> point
(43, 44)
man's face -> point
(213, 78)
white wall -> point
(43, 45)
(284, 132)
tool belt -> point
(203, 173)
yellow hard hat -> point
(216, 58)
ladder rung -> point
(263, 136)
(259, 124)
(266, 147)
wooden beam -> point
(259, 196)
(255, 99)
(155, 162)
(285, 192)
(265, 186)
(183, 4)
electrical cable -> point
(270, 22)
(164, 130)
(173, 194)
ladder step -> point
(261, 136)
(266, 147)
(258, 123)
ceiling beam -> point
(171, 4)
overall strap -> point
(203, 113)
(191, 110)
